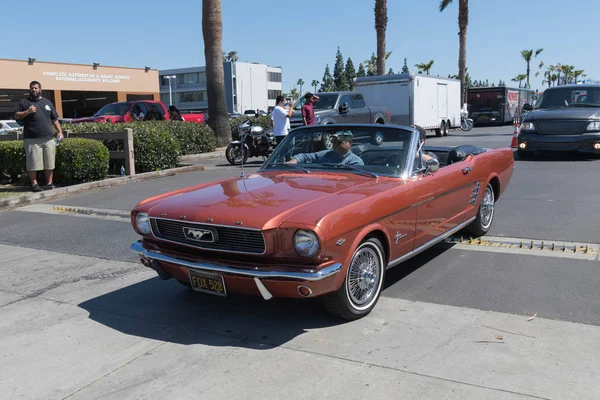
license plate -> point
(207, 282)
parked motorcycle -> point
(254, 141)
(466, 123)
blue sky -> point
(303, 36)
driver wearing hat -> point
(340, 154)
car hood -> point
(265, 200)
(583, 113)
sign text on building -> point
(86, 78)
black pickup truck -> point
(565, 118)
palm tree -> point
(567, 71)
(294, 93)
(425, 67)
(314, 84)
(300, 83)
(528, 55)
(519, 78)
(577, 73)
(381, 21)
(232, 56)
(463, 22)
(212, 30)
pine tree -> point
(327, 81)
(405, 67)
(361, 71)
(350, 73)
(390, 72)
(340, 83)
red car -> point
(122, 112)
(318, 222)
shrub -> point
(156, 144)
(12, 158)
(80, 160)
(77, 161)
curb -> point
(60, 192)
(219, 153)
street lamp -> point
(169, 77)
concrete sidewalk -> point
(82, 328)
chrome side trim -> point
(431, 243)
(263, 289)
(307, 274)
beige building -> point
(76, 90)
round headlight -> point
(142, 223)
(306, 243)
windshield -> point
(570, 97)
(326, 101)
(365, 150)
(492, 100)
(113, 109)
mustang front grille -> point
(240, 240)
(561, 127)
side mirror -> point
(343, 108)
(527, 107)
(432, 165)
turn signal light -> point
(304, 291)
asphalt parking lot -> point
(82, 318)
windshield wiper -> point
(352, 168)
(290, 166)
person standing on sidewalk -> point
(308, 109)
(38, 116)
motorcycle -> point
(254, 141)
(466, 123)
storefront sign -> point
(86, 78)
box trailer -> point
(497, 105)
(415, 99)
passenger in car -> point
(425, 156)
(340, 154)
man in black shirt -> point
(38, 115)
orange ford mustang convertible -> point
(327, 214)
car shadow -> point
(154, 309)
(401, 271)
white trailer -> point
(415, 99)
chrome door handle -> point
(466, 170)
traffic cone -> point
(514, 142)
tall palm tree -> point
(567, 71)
(425, 67)
(381, 21)
(463, 22)
(300, 83)
(528, 55)
(232, 56)
(314, 84)
(212, 30)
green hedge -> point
(77, 161)
(81, 160)
(157, 144)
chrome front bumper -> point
(256, 273)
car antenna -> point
(242, 148)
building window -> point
(192, 97)
(192, 78)
(273, 94)
(274, 76)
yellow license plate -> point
(208, 282)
